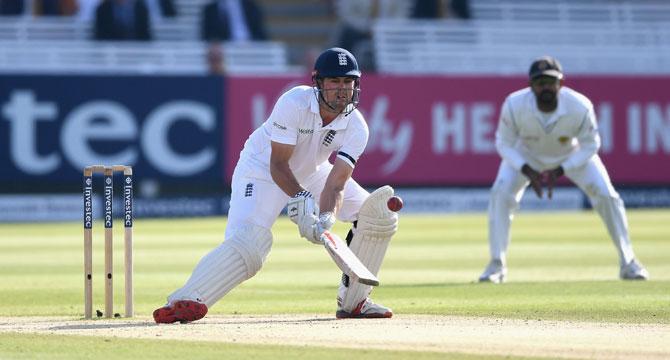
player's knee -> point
(606, 200)
(501, 196)
(253, 243)
(498, 190)
(374, 218)
(382, 227)
(603, 191)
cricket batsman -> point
(285, 161)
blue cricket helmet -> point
(336, 62)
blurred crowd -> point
(356, 17)
(237, 20)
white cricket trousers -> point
(255, 205)
(592, 178)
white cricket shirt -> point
(568, 137)
(295, 120)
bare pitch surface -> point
(420, 333)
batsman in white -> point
(546, 131)
(285, 161)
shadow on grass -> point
(429, 285)
(513, 283)
(236, 320)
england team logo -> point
(342, 58)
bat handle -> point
(325, 237)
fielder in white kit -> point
(546, 131)
(286, 161)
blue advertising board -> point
(170, 129)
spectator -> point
(159, 9)
(428, 9)
(233, 20)
(215, 59)
(11, 7)
(435, 9)
(355, 21)
(86, 9)
(122, 20)
(168, 9)
(460, 9)
(54, 7)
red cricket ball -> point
(394, 203)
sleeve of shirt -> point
(507, 136)
(283, 119)
(354, 144)
(589, 142)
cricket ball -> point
(394, 203)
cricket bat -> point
(346, 260)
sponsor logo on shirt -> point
(278, 126)
(306, 131)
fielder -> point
(286, 161)
(546, 131)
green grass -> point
(562, 266)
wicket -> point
(108, 173)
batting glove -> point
(324, 222)
(300, 205)
(302, 210)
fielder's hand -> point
(302, 210)
(550, 177)
(535, 179)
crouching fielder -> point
(547, 131)
(285, 161)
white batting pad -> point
(372, 235)
(613, 214)
(239, 258)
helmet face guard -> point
(350, 106)
(333, 63)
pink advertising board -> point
(440, 130)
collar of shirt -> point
(340, 121)
(560, 111)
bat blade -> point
(346, 260)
